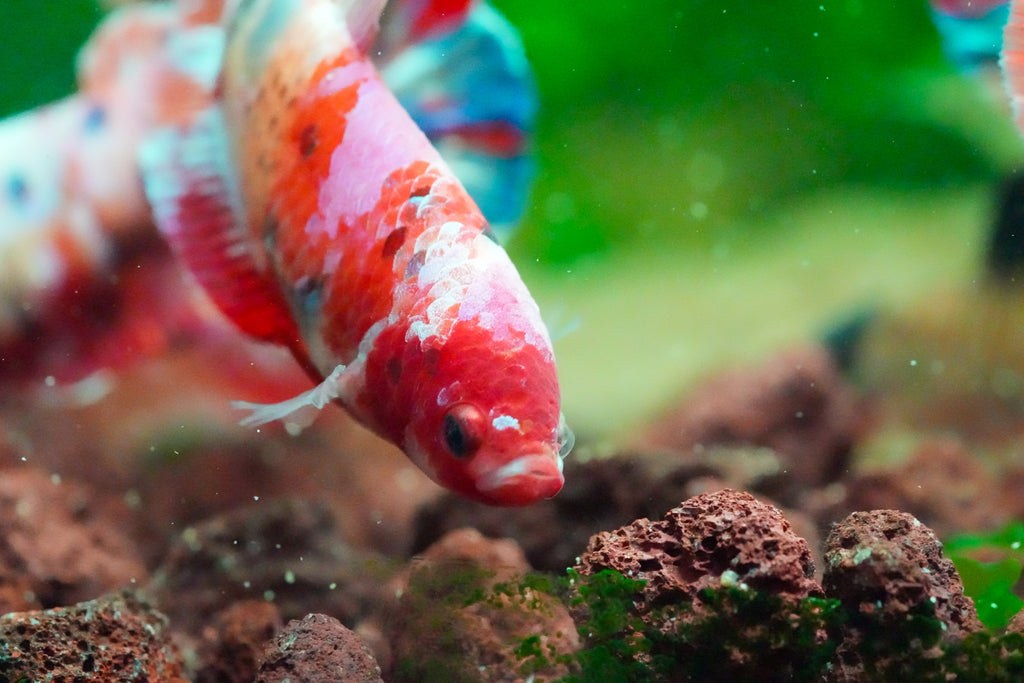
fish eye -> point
(463, 430)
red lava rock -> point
(942, 484)
(885, 566)
(695, 544)
(55, 548)
(114, 638)
(1016, 624)
(317, 648)
(233, 643)
(598, 494)
(288, 551)
(444, 626)
(796, 404)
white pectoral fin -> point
(297, 413)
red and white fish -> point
(318, 216)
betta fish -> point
(280, 165)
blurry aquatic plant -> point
(990, 566)
(727, 634)
(676, 124)
(735, 634)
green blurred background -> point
(716, 179)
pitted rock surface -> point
(696, 543)
(317, 648)
(117, 637)
(886, 563)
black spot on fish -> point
(431, 360)
(308, 139)
(420, 190)
(17, 188)
(270, 228)
(412, 269)
(309, 295)
(394, 369)
(95, 119)
(393, 243)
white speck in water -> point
(55, 479)
(269, 595)
(255, 497)
(913, 363)
(50, 381)
(289, 577)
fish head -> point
(466, 384)
(490, 427)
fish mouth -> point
(522, 481)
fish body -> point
(317, 215)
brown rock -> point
(888, 570)
(233, 643)
(1016, 624)
(317, 648)
(696, 544)
(795, 404)
(943, 484)
(55, 549)
(288, 551)
(886, 563)
(114, 638)
(450, 625)
(598, 494)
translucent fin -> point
(470, 89)
(192, 189)
(362, 20)
(298, 412)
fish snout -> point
(522, 481)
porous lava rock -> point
(598, 494)
(796, 404)
(118, 637)
(943, 484)
(450, 623)
(725, 537)
(232, 644)
(55, 547)
(889, 557)
(317, 648)
(288, 550)
(888, 571)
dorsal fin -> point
(193, 191)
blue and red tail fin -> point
(460, 70)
